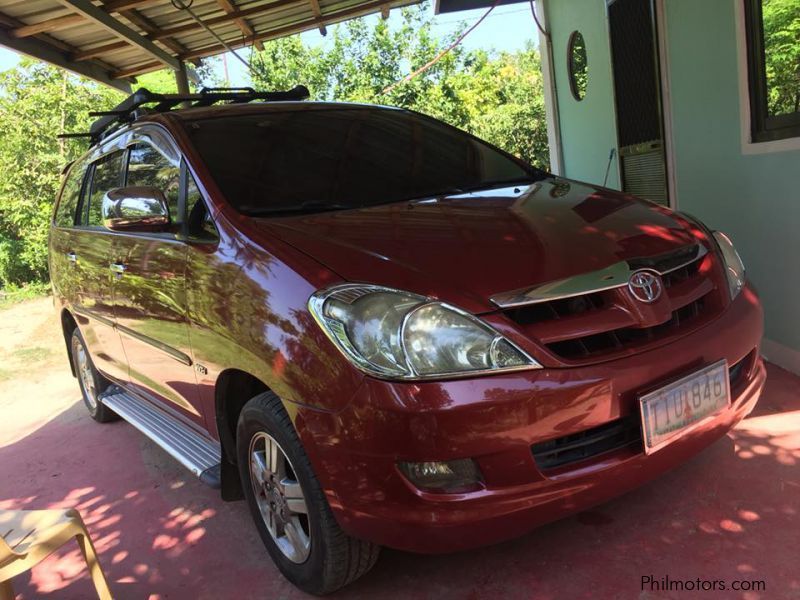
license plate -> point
(671, 411)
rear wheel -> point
(92, 384)
(288, 506)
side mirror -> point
(136, 209)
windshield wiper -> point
(464, 189)
(312, 206)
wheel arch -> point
(233, 389)
(68, 325)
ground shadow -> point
(730, 513)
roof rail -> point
(134, 105)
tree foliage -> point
(782, 55)
(495, 96)
(37, 102)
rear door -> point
(63, 258)
(90, 250)
(150, 292)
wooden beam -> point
(286, 30)
(102, 18)
(228, 18)
(137, 70)
(120, 5)
(229, 7)
(318, 13)
(54, 24)
(150, 28)
(100, 51)
(48, 52)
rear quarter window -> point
(70, 195)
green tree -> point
(782, 55)
(37, 102)
(495, 96)
(163, 81)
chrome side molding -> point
(608, 278)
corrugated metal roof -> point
(112, 41)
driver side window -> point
(148, 167)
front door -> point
(150, 289)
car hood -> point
(468, 247)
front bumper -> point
(496, 420)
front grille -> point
(618, 339)
(557, 309)
(665, 262)
(680, 274)
(590, 443)
(602, 323)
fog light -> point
(450, 476)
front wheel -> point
(91, 382)
(288, 505)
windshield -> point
(311, 160)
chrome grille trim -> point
(608, 278)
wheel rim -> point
(86, 376)
(280, 497)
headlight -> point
(398, 335)
(734, 267)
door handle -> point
(72, 257)
(118, 268)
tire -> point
(331, 559)
(92, 384)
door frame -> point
(662, 48)
(662, 60)
(551, 98)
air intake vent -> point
(622, 433)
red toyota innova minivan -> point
(383, 331)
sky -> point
(505, 29)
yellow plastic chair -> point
(29, 536)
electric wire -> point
(184, 5)
(441, 54)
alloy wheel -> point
(280, 497)
(84, 368)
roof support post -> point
(182, 81)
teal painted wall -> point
(754, 198)
(588, 128)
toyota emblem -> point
(645, 286)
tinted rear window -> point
(70, 194)
(276, 162)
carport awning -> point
(112, 41)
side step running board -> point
(197, 453)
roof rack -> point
(134, 105)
